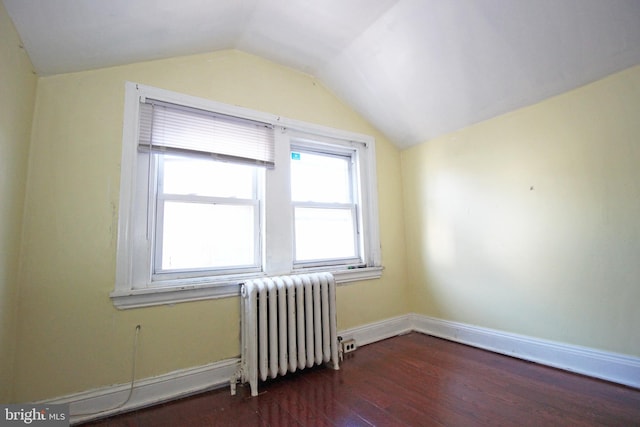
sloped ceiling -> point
(414, 68)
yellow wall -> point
(530, 222)
(71, 338)
(17, 95)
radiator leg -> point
(234, 380)
(254, 387)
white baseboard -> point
(612, 367)
(378, 331)
(600, 364)
(106, 401)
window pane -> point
(324, 234)
(204, 177)
(197, 236)
(320, 178)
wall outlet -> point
(349, 345)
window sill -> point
(170, 295)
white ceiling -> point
(415, 69)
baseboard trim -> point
(604, 365)
(617, 368)
(107, 401)
(613, 367)
(377, 331)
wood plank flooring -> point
(410, 380)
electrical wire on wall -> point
(133, 377)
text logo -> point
(36, 415)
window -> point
(207, 217)
(323, 197)
(213, 194)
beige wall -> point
(17, 95)
(530, 222)
(71, 338)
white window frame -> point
(135, 285)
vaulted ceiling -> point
(415, 69)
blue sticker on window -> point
(295, 156)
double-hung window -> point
(203, 190)
(213, 194)
(325, 207)
(207, 217)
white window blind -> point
(174, 128)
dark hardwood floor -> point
(413, 380)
